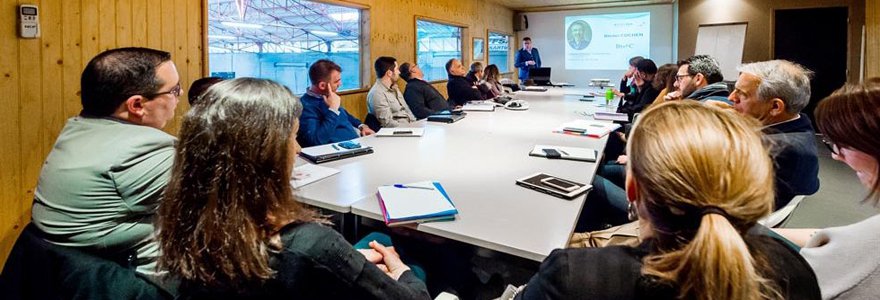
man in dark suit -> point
(526, 59)
(423, 99)
(459, 88)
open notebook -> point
(415, 202)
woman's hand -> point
(391, 263)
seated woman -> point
(844, 258)
(695, 209)
(492, 80)
(229, 224)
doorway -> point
(815, 38)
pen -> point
(334, 146)
(401, 186)
(563, 152)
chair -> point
(779, 216)
(37, 269)
(372, 122)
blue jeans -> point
(606, 203)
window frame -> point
(363, 43)
(465, 36)
(510, 48)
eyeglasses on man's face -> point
(174, 91)
(680, 77)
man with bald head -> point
(459, 88)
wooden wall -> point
(39, 78)
(872, 42)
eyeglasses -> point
(679, 77)
(832, 147)
(175, 91)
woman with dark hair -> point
(845, 258)
(492, 79)
(198, 87)
(696, 209)
(664, 81)
(229, 224)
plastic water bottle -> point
(609, 96)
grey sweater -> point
(846, 260)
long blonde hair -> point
(688, 159)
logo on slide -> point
(579, 34)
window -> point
(279, 40)
(499, 51)
(435, 45)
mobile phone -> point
(551, 153)
(349, 145)
(560, 184)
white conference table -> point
(477, 160)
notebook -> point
(589, 128)
(534, 89)
(400, 131)
(415, 202)
(610, 116)
(553, 185)
(445, 118)
(570, 153)
(334, 151)
(309, 173)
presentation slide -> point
(607, 41)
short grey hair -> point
(706, 65)
(782, 79)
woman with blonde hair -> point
(698, 180)
(230, 227)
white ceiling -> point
(546, 5)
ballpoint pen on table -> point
(403, 186)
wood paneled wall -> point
(39, 78)
(872, 40)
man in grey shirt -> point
(384, 100)
(100, 186)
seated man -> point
(699, 78)
(774, 93)
(101, 184)
(459, 88)
(323, 119)
(423, 99)
(384, 100)
(475, 77)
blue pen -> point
(401, 186)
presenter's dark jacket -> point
(423, 99)
(644, 97)
(461, 90)
(522, 56)
(615, 273)
(317, 263)
(793, 149)
(318, 125)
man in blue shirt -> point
(527, 58)
(323, 119)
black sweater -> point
(461, 90)
(317, 263)
(423, 99)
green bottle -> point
(609, 96)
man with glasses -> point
(100, 186)
(526, 59)
(423, 99)
(699, 78)
(774, 92)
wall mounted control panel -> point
(28, 21)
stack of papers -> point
(611, 116)
(415, 202)
(478, 106)
(308, 173)
(589, 128)
(570, 153)
(400, 131)
(534, 89)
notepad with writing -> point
(589, 128)
(400, 131)
(415, 202)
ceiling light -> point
(242, 25)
